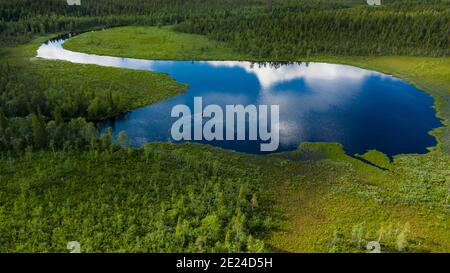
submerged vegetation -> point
(60, 181)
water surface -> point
(318, 102)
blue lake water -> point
(318, 102)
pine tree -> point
(39, 131)
(3, 123)
(57, 115)
(105, 139)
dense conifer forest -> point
(265, 28)
(284, 33)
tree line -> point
(265, 28)
(20, 20)
(286, 35)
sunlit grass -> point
(151, 43)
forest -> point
(61, 180)
(358, 31)
(345, 27)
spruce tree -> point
(39, 131)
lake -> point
(318, 102)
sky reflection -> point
(359, 108)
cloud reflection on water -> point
(318, 101)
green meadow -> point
(152, 43)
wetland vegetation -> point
(60, 181)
